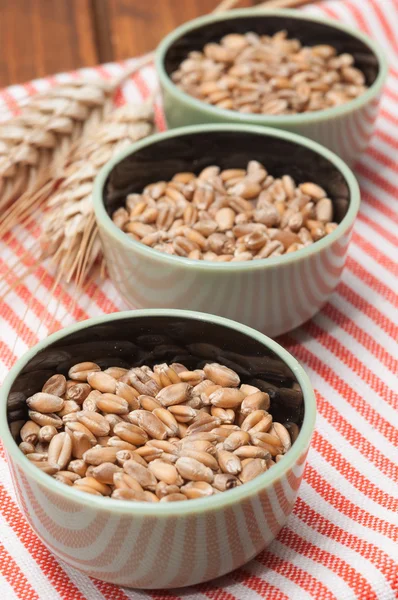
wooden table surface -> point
(41, 37)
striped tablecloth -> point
(341, 540)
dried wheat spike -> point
(33, 144)
(70, 235)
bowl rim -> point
(104, 221)
(218, 501)
(274, 120)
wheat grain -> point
(175, 393)
(55, 385)
(269, 74)
(110, 403)
(46, 434)
(256, 401)
(162, 448)
(60, 449)
(78, 392)
(45, 403)
(29, 432)
(26, 447)
(173, 498)
(230, 215)
(102, 382)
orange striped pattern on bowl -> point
(185, 548)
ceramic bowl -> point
(273, 295)
(345, 129)
(163, 545)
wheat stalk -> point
(70, 234)
(33, 145)
(69, 237)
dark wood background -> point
(41, 37)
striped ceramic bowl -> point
(345, 129)
(170, 544)
(273, 295)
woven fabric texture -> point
(341, 540)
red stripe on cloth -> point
(337, 565)
(393, 70)
(377, 179)
(42, 312)
(363, 548)
(109, 591)
(372, 282)
(35, 306)
(8, 99)
(258, 585)
(145, 91)
(118, 97)
(30, 88)
(382, 231)
(366, 340)
(391, 94)
(368, 309)
(24, 333)
(343, 388)
(211, 590)
(355, 477)
(43, 557)
(379, 205)
(7, 356)
(333, 496)
(15, 576)
(385, 114)
(61, 293)
(31, 337)
(103, 71)
(328, 10)
(390, 33)
(313, 586)
(141, 85)
(377, 255)
(386, 138)
(351, 361)
(47, 281)
(356, 13)
(385, 159)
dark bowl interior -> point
(227, 149)
(150, 340)
(310, 33)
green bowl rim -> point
(274, 120)
(218, 501)
(103, 219)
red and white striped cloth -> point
(341, 540)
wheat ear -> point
(34, 144)
(69, 226)
(40, 136)
(70, 237)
